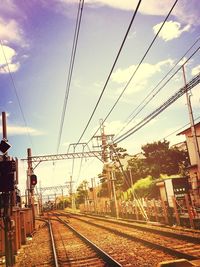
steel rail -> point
(107, 258)
(139, 226)
(170, 251)
(55, 257)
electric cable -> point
(129, 119)
(166, 104)
(162, 87)
(111, 71)
(179, 129)
(135, 71)
(16, 94)
(71, 67)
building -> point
(193, 145)
(173, 187)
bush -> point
(146, 187)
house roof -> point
(180, 146)
(189, 129)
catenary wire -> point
(144, 56)
(16, 94)
(156, 112)
(129, 119)
(71, 67)
(111, 71)
(179, 129)
(162, 88)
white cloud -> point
(185, 11)
(7, 56)
(21, 130)
(140, 80)
(152, 7)
(184, 59)
(188, 11)
(171, 30)
(195, 97)
(10, 31)
(196, 70)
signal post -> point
(7, 187)
(31, 182)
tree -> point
(103, 192)
(138, 168)
(160, 158)
(121, 152)
(81, 192)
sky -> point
(36, 43)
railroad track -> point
(180, 246)
(179, 233)
(124, 250)
(70, 248)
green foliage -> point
(81, 192)
(104, 186)
(121, 152)
(159, 158)
(146, 187)
(138, 168)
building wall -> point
(190, 144)
(195, 186)
(194, 179)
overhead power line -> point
(16, 94)
(156, 112)
(142, 105)
(71, 67)
(111, 71)
(179, 129)
(140, 63)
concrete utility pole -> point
(94, 193)
(86, 195)
(73, 205)
(131, 177)
(112, 179)
(62, 199)
(193, 130)
(30, 187)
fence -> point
(182, 213)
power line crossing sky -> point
(37, 39)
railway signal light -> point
(33, 179)
(7, 175)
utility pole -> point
(7, 181)
(40, 197)
(73, 205)
(102, 142)
(111, 175)
(93, 193)
(62, 199)
(131, 177)
(31, 185)
(193, 130)
(55, 201)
